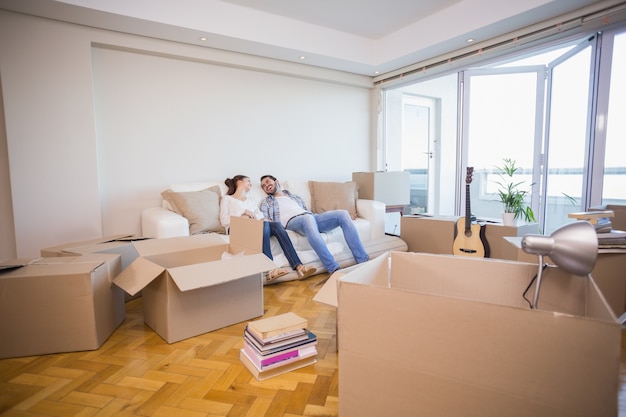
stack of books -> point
(609, 239)
(613, 239)
(278, 344)
(600, 219)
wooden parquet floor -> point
(136, 373)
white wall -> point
(7, 236)
(98, 123)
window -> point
(548, 109)
(419, 142)
(614, 178)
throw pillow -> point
(327, 196)
(200, 208)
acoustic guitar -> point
(469, 235)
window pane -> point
(614, 188)
(431, 165)
(501, 125)
(567, 138)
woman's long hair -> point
(231, 183)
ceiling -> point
(364, 18)
(366, 37)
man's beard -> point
(274, 189)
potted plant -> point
(512, 194)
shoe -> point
(274, 274)
(305, 271)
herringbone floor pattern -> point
(136, 373)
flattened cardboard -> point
(452, 336)
(59, 305)
(195, 284)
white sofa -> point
(164, 222)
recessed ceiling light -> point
(376, 72)
(203, 39)
(470, 40)
(302, 57)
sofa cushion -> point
(326, 196)
(200, 208)
(299, 188)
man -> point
(289, 209)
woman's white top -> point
(231, 206)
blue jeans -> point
(276, 229)
(311, 225)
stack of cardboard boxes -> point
(72, 299)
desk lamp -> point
(573, 247)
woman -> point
(237, 203)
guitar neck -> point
(468, 211)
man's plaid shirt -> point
(271, 208)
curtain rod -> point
(586, 21)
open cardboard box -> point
(439, 335)
(60, 304)
(608, 272)
(189, 287)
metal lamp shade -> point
(573, 247)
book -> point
(603, 225)
(280, 337)
(615, 241)
(268, 373)
(265, 329)
(269, 349)
(306, 337)
(591, 216)
(612, 235)
(279, 358)
(612, 250)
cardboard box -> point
(495, 234)
(60, 304)
(117, 244)
(609, 272)
(328, 293)
(391, 188)
(189, 287)
(437, 335)
(428, 234)
(436, 235)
